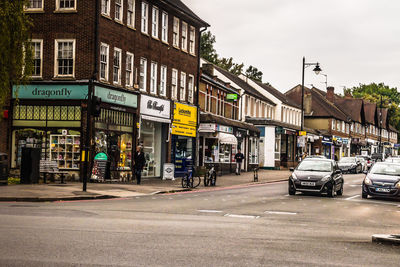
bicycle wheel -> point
(213, 179)
(206, 180)
(196, 181)
(185, 181)
(190, 181)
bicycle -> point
(188, 180)
(210, 177)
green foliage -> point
(207, 50)
(15, 61)
(229, 65)
(254, 73)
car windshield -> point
(347, 160)
(386, 169)
(315, 165)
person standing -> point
(238, 158)
(139, 161)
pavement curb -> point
(386, 239)
(53, 199)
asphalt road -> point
(250, 226)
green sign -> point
(279, 130)
(232, 97)
(101, 156)
(116, 97)
(50, 91)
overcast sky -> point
(355, 41)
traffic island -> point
(386, 239)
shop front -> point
(154, 125)
(183, 140)
(346, 147)
(48, 118)
(327, 146)
(337, 148)
(114, 133)
(288, 148)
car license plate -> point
(386, 190)
(308, 183)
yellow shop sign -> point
(184, 114)
(184, 130)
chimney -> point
(307, 103)
(348, 95)
(208, 69)
(330, 93)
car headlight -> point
(294, 176)
(326, 178)
(367, 181)
(398, 185)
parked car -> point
(316, 175)
(350, 164)
(367, 159)
(393, 160)
(377, 157)
(382, 180)
(316, 156)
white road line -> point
(352, 197)
(241, 216)
(210, 211)
(280, 212)
(355, 185)
(287, 195)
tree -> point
(15, 61)
(254, 74)
(207, 50)
(229, 65)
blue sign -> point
(116, 97)
(50, 91)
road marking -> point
(352, 197)
(242, 216)
(210, 211)
(287, 195)
(354, 185)
(280, 212)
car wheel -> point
(364, 194)
(331, 191)
(340, 192)
(292, 190)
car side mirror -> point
(291, 169)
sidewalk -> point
(73, 190)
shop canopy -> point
(226, 138)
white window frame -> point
(182, 86)
(333, 124)
(130, 20)
(107, 47)
(184, 36)
(192, 40)
(121, 13)
(58, 8)
(155, 15)
(56, 42)
(174, 84)
(129, 72)
(163, 80)
(175, 32)
(145, 18)
(41, 57)
(143, 74)
(164, 27)
(191, 89)
(108, 3)
(153, 77)
(33, 9)
(117, 50)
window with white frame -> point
(117, 66)
(65, 5)
(190, 89)
(192, 39)
(174, 84)
(143, 74)
(182, 90)
(119, 10)
(343, 127)
(333, 124)
(37, 53)
(164, 27)
(175, 32)
(105, 7)
(65, 58)
(163, 80)
(153, 77)
(129, 70)
(145, 17)
(130, 14)
(104, 49)
(154, 22)
(184, 36)
(34, 5)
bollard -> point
(255, 174)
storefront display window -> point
(211, 150)
(150, 139)
(253, 151)
(65, 150)
(277, 147)
(224, 152)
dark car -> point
(316, 175)
(350, 164)
(382, 180)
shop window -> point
(164, 27)
(211, 151)
(277, 147)
(151, 140)
(154, 22)
(130, 16)
(225, 152)
(145, 17)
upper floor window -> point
(163, 80)
(119, 10)
(34, 5)
(145, 17)
(333, 124)
(154, 22)
(175, 32)
(117, 66)
(192, 38)
(164, 27)
(65, 58)
(174, 84)
(190, 88)
(37, 53)
(105, 7)
(153, 78)
(129, 70)
(66, 5)
(182, 91)
(143, 74)
(130, 15)
(184, 36)
(104, 48)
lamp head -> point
(317, 69)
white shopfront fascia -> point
(155, 109)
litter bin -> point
(30, 160)
(3, 168)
